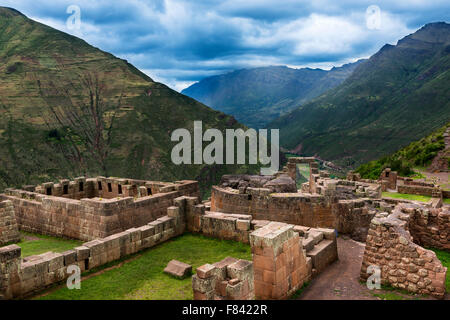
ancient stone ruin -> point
(393, 245)
(9, 231)
(292, 232)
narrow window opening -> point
(99, 185)
(81, 186)
(249, 197)
(49, 191)
(86, 264)
(66, 189)
(387, 174)
(119, 189)
(149, 191)
(109, 187)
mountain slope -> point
(417, 154)
(257, 96)
(67, 109)
(399, 95)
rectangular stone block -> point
(82, 253)
(243, 225)
(70, 257)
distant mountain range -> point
(257, 96)
(399, 95)
(69, 109)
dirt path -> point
(441, 178)
(340, 281)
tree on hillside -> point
(82, 117)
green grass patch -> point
(298, 293)
(143, 278)
(405, 196)
(447, 201)
(389, 296)
(32, 244)
(387, 292)
(444, 257)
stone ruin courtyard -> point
(257, 237)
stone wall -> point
(90, 218)
(22, 277)
(446, 194)
(279, 268)
(324, 210)
(429, 227)
(403, 264)
(109, 188)
(388, 179)
(229, 279)
(353, 217)
(9, 231)
(279, 261)
(420, 190)
(296, 208)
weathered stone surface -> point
(205, 271)
(281, 184)
(9, 230)
(178, 269)
(405, 264)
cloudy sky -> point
(178, 42)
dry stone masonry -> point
(403, 263)
(9, 231)
(292, 232)
(94, 208)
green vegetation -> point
(46, 134)
(388, 292)
(32, 244)
(299, 292)
(444, 256)
(418, 153)
(259, 95)
(143, 278)
(447, 201)
(302, 174)
(405, 196)
(397, 96)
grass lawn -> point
(405, 196)
(143, 277)
(447, 201)
(32, 244)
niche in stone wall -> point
(66, 189)
(109, 187)
(119, 189)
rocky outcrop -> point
(281, 184)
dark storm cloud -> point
(181, 41)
